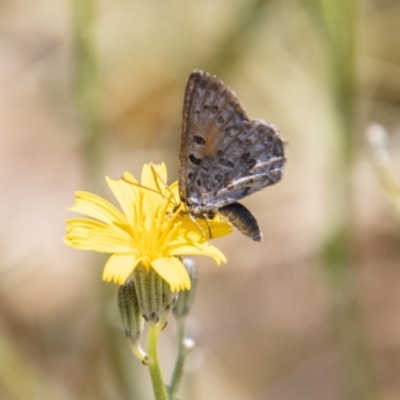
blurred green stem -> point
(338, 19)
(157, 380)
(235, 40)
(87, 85)
(180, 360)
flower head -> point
(152, 230)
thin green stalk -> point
(87, 85)
(338, 19)
(235, 40)
(180, 360)
(157, 380)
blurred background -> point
(93, 88)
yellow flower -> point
(153, 230)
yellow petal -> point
(87, 234)
(159, 176)
(130, 178)
(119, 267)
(174, 188)
(217, 228)
(182, 272)
(172, 271)
(83, 224)
(126, 194)
(78, 232)
(202, 249)
(109, 241)
(152, 193)
(96, 207)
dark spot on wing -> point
(214, 86)
(252, 163)
(220, 119)
(218, 178)
(206, 107)
(198, 182)
(220, 152)
(227, 163)
(246, 156)
(199, 139)
(190, 175)
(194, 160)
(214, 109)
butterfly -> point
(224, 155)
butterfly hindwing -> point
(252, 158)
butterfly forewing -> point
(209, 108)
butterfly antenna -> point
(162, 181)
(143, 187)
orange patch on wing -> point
(212, 142)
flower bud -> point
(129, 310)
(149, 289)
(186, 297)
(131, 317)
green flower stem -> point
(157, 380)
(182, 353)
(339, 19)
(87, 86)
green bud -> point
(129, 311)
(186, 297)
(131, 317)
(149, 289)
(169, 298)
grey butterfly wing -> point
(256, 152)
(224, 156)
(209, 107)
